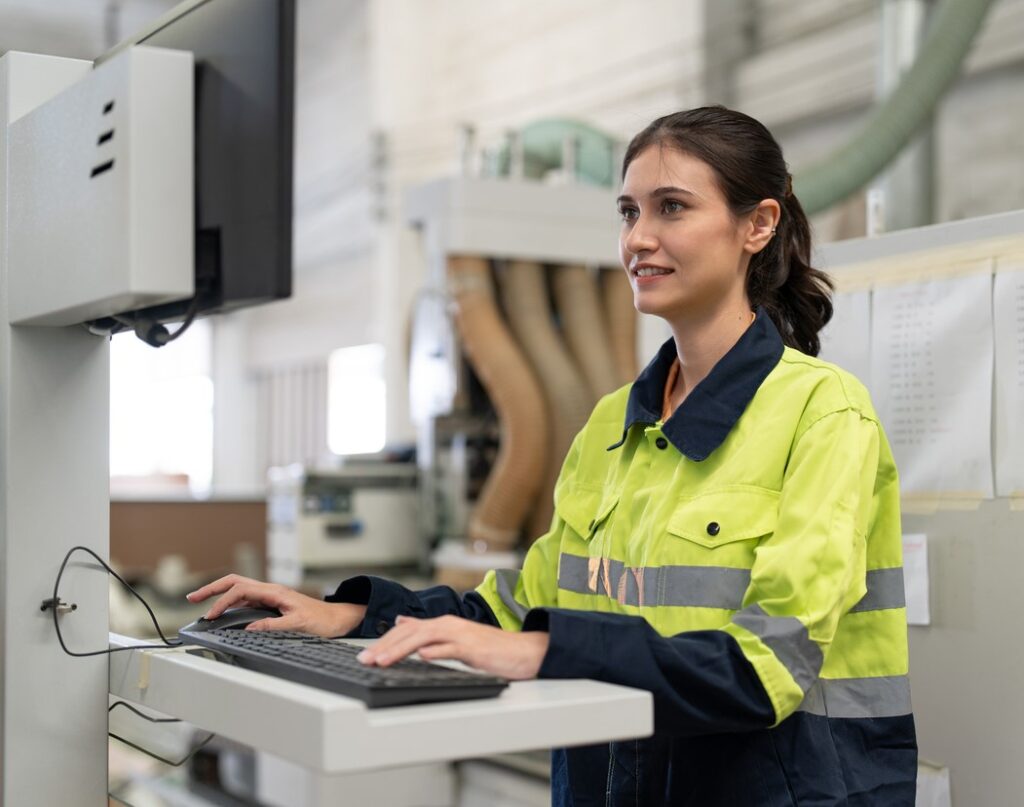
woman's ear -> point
(764, 220)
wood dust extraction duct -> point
(560, 334)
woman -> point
(727, 530)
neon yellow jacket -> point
(761, 524)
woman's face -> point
(685, 254)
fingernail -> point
(364, 657)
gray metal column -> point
(906, 191)
(54, 494)
(728, 38)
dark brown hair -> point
(749, 166)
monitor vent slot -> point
(101, 168)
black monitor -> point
(244, 54)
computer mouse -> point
(236, 618)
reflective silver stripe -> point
(687, 586)
(704, 586)
(788, 639)
(697, 586)
(506, 580)
(885, 590)
(886, 696)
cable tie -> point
(61, 606)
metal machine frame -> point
(54, 407)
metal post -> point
(54, 494)
(907, 188)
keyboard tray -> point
(331, 664)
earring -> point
(773, 231)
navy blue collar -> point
(703, 421)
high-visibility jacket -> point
(741, 561)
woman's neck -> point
(701, 342)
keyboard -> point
(330, 664)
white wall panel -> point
(980, 149)
(333, 124)
(829, 71)
(779, 22)
(497, 65)
(1001, 41)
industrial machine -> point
(356, 517)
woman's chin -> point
(649, 304)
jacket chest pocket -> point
(586, 511)
(725, 519)
(709, 549)
(585, 565)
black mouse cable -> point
(56, 601)
(202, 744)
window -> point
(355, 400)
(161, 414)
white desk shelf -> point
(334, 734)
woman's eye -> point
(628, 213)
(671, 206)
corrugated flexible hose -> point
(511, 488)
(524, 296)
(582, 317)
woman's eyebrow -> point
(666, 190)
(670, 190)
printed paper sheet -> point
(931, 381)
(1008, 310)
(846, 339)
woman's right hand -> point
(298, 612)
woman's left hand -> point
(508, 654)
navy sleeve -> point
(701, 681)
(385, 600)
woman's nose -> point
(640, 238)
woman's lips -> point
(647, 275)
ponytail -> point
(780, 278)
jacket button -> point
(713, 528)
(661, 443)
(382, 627)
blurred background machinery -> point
(324, 524)
(527, 325)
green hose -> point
(892, 124)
